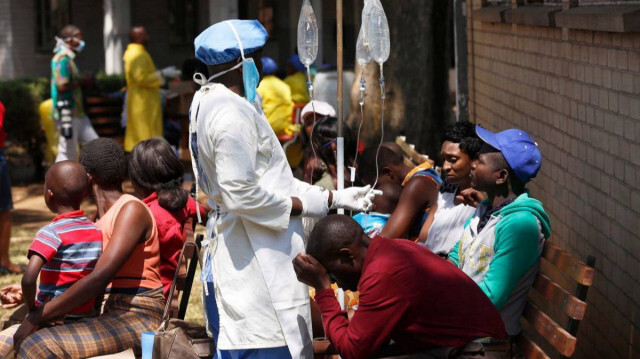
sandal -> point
(8, 270)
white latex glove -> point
(355, 198)
(314, 203)
(171, 72)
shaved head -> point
(139, 35)
(69, 31)
(66, 184)
(331, 234)
(394, 147)
(340, 245)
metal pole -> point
(340, 139)
(462, 77)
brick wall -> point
(578, 95)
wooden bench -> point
(556, 305)
(105, 114)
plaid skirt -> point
(119, 328)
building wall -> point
(578, 95)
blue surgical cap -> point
(294, 60)
(218, 45)
(268, 66)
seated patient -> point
(401, 294)
(156, 174)
(443, 228)
(502, 242)
(383, 206)
(419, 189)
(54, 252)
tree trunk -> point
(417, 96)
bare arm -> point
(424, 232)
(30, 280)
(132, 227)
(418, 194)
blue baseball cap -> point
(218, 44)
(268, 65)
(519, 150)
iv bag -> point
(366, 11)
(307, 34)
(378, 33)
(362, 48)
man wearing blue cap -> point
(502, 242)
(259, 310)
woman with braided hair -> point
(156, 174)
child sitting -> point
(419, 189)
(373, 222)
(64, 251)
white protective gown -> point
(243, 169)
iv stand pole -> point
(340, 139)
(340, 62)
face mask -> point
(80, 46)
(250, 75)
(63, 42)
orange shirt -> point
(145, 256)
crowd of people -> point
(439, 260)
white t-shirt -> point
(448, 224)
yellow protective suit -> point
(298, 84)
(144, 111)
(50, 130)
(277, 104)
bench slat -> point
(559, 338)
(566, 263)
(558, 297)
(529, 349)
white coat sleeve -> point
(235, 142)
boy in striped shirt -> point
(64, 251)
(67, 249)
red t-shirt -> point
(170, 226)
(412, 296)
(3, 134)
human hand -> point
(355, 198)
(11, 296)
(471, 197)
(310, 272)
(28, 326)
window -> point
(51, 17)
(183, 22)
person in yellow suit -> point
(276, 99)
(144, 111)
(297, 80)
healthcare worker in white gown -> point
(259, 309)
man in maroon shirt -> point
(407, 294)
